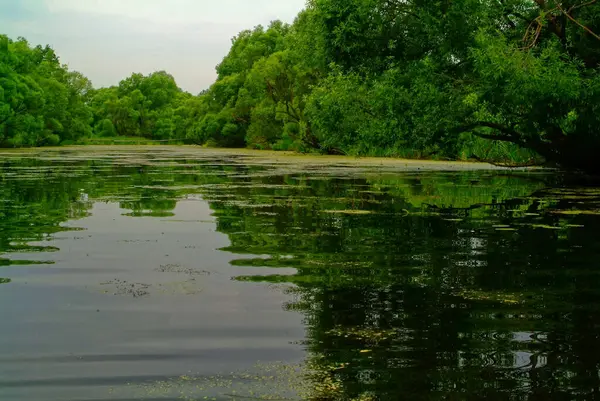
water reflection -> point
(412, 285)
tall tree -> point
(521, 71)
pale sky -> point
(107, 40)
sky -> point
(108, 40)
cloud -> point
(178, 11)
(107, 40)
(15, 11)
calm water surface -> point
(169, 274)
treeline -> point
(513, 80)
(43, 103)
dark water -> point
(164, 275)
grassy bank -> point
(125, 140)
(290, 161)
(478, 150)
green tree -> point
(230, 101)
(41, 102)
(139, 106)
(520, 71)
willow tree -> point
(520, 71)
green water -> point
(164, 275)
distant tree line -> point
(500, 80)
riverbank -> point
(249, 156)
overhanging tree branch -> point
(569, 16)
(589, 3)
(507, 134)
(503, 138)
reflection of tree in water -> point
(36, 197)
(33, 205)
(426, 301)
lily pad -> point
(577, 212)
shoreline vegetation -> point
(512, 82)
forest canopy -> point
(500, 80)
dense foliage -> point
(494, 79)
(41, 102)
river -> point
(168, 273)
